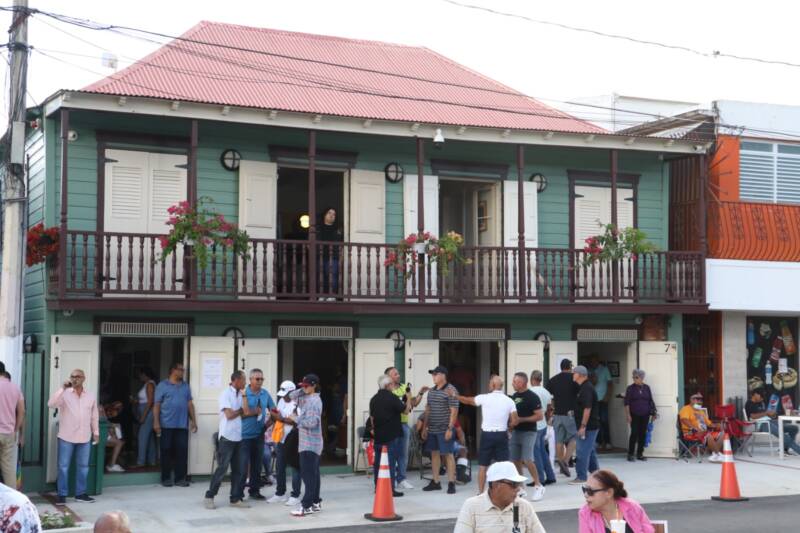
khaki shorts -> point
(564, 427)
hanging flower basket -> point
(615, 245)
(203, 229)
(41, 244)
(442, 251)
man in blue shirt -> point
(603, 383)
(173, 413)
(259, 403)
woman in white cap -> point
(493, 511)
(282, 428)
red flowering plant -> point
(614, 245)
(42, 244)
(203, 229)
(442, 251)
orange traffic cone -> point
(728, 483)
(383, 508)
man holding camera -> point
(403, 391)
(78, 424)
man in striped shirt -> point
(441, 413)
(309, 425)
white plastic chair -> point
(761, 429)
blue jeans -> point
(251, 459)
(541, 457)
(174, 453)
(65, 452)
(402, 461)
(280, 473)
(309, 471)
(266, 458)
(395, 448)
(586, 454)
(147, 439)
(789, 434)
(330, 272)
(228, 454)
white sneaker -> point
(316, 507)
(406, 485)
(292, 502)
(276, 499)
(115, 468)
(715, 458)
(538, 493)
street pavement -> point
(346, 497)
(764, 514)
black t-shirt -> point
(385, 409)
(587, 398)
(751, 407)
(564, 391)
(527, 403)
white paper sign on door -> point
(783, 365)
(212, 373)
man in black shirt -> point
(523, 438)
(564, 391)
(587, 418)
(384, 410)
(758, 411)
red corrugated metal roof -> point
(271, 69)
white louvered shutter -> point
(167, 187)
(788, 174)
(624, 208)
(757, 172)
(125, 191)
(592, 208)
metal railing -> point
(755, 231)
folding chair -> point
(761, 428)
(688, 448)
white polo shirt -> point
(496, 408)
(230, 429)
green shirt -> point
(400, 392)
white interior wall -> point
(734, 354)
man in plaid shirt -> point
(309, 424)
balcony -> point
(125, 270)
(754, 231)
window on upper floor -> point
(769, 172)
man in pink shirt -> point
(12, 420)
(77, 426)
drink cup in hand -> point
(617, 526)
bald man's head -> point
(496, 383)
(112, 522)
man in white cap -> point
(283, 426)
(493, 511)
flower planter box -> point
(80, 527)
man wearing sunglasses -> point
(254, 424)
(493, 511)
(697, 427)
(78, 425)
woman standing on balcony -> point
(329, 232)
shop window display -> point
(772, 359)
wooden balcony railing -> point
(127, 265)
(755, 231)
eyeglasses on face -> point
(258, 379)
(589, 491)
(76, 376)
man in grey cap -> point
(587, 419)
(438, 430)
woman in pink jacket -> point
(606, 500)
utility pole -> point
(14, 198)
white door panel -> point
(431, 216)
(210, 369)
(560, 350)
(368, 226)
(68, 353)
(511, 228)
(660, 361)
(372, 357)
(261, 354)
(258, 185)
(523, 356)
(421, 356)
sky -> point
(546, 62)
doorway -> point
(620, 359)
(328, 359)
(293, 200)
(126, 365)
(470, 208)
(469, 365)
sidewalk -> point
(347, 497)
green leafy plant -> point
(614, 245)
(442, 251)
(56, 520)
(202, 228)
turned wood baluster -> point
(173, 277)
(275, 254)
(225, 270)
(72, 260)
(283, 247)
(234, 272)
(141, 262)
(85, 275)
(295, 248)
(107, 269)
(254, 263)
(130, 263)
(119, 262)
